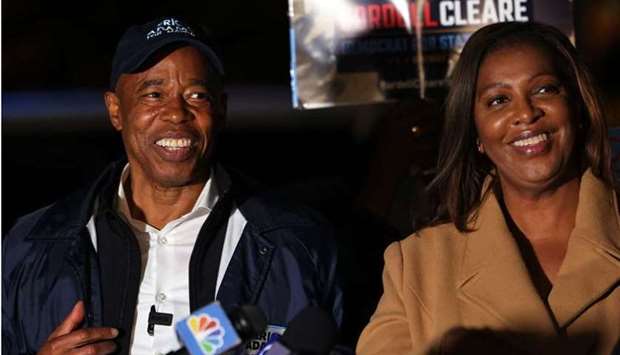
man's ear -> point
(112, 104)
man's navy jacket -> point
(285, 260)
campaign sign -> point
(365, 51)
(207, 331)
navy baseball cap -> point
(140, 42)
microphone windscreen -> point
(312, 331)
(212, 330)
(249, 321)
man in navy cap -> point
(165, 232)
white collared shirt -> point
(165, 264)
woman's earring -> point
(479, 146)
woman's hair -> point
(461, 170)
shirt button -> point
(162, 240)
(161, 297)
(263, 251)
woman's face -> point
(524, 117)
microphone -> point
(312, 332)
(211, 330)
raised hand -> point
(69, 338)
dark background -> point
(361, 166)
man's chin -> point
(176, 181)
(166, 175)
(176, 177)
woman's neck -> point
(542, 224)
(545, 214)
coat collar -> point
(495, 277)
(592, 262)
(65, 219)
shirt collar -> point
(204, 203)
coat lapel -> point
(592, 263)
(494, 277)
(247, 270)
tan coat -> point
(440, 278)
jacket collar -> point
(592, 262)
(495, 277)
(66, 218)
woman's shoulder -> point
(426, 263)
(436, 235)
(431, 245)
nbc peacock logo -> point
(207, 331)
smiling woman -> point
(524, 253)
(524, 119)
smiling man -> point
(165, 232)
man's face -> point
(168, 118)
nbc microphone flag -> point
(208, 331)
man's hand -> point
(66, 338)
